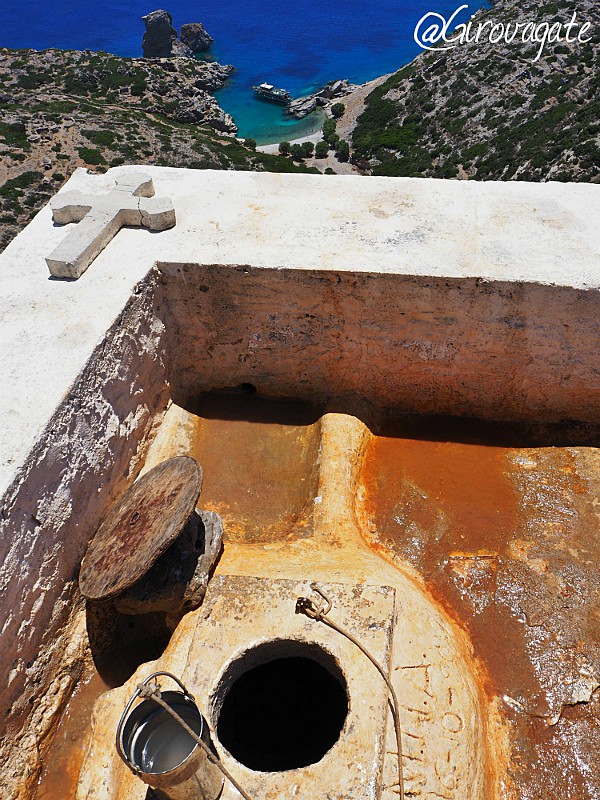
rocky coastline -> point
(303, 106)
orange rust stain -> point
(260, 462)
(62, 762)
(500, 529)
(449, 507)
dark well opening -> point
(283, 707)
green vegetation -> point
(14, 134)
(14, 186)
(329, 134)
(321, 149)
(447, 111)
(342, 150)
(90, 155)
(337, 110)
(103, 138)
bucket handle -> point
(138, 691)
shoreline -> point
(354, 103)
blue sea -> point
(296, 45)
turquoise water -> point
(296, 45)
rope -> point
(308, 607)
(152, 691)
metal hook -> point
(304, 605)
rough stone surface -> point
(215, 75)
(302, 106)
(452, 346)
(195, 36)
(90, 448)
(160, 38)
(101, 217)
(243, 613)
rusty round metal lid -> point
(139, 527)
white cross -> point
(99, 219)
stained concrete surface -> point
(496, 523)
(503, 529)
(447, 749)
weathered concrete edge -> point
(91, 447)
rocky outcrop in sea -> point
(190, 100)
(161, 39)
(195, 37)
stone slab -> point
(238, 615)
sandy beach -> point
(354, 104)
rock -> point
(168, 66)
(160, 38)
(221, 121)
(193, 110)
(161, 41)
(180, 50)
(302, 106)
(194, 36)
(214, 77)
(177, 582)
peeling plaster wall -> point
(490, 349)
(93, 445)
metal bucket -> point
(162, 753)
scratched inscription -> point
(434, 736)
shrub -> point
(342, 150)
(337, 110)
(250, 143)
(321, 149)
(138, 87)
(103, 138)
(90, 155)
(284, 148)
(329, 130)
(14, 133)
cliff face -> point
(490, 111)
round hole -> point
(281, 706)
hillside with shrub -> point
(490, 111)
(60, 110)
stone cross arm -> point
(100, 217)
